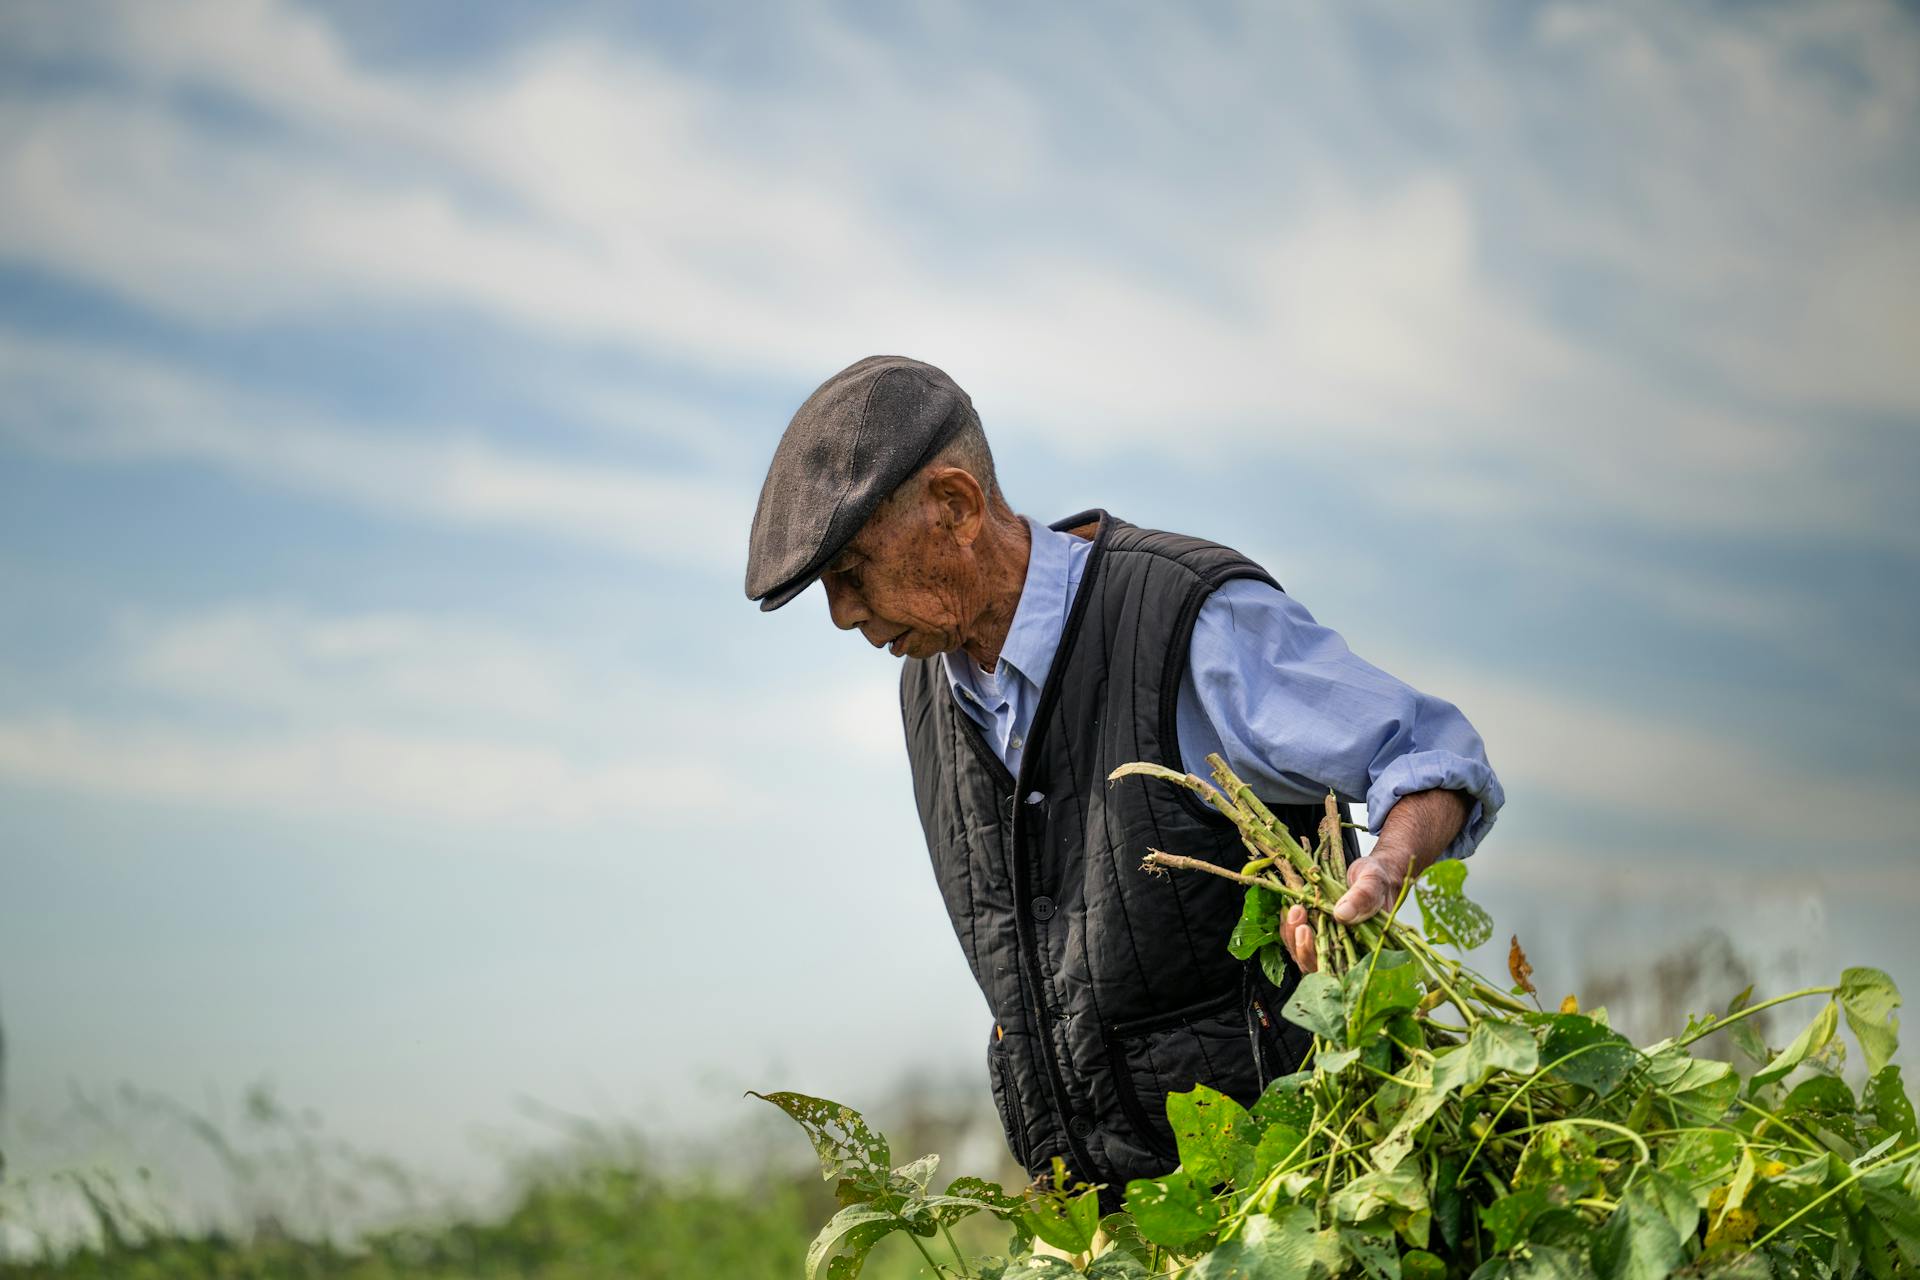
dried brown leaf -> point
(1518, 968)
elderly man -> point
(1038, 658)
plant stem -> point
(1732, 1018)
(957, 1255)
(1181, 862)
(937, 1272)
(1830, 1192)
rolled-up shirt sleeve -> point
(1296, 713)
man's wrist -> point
(1421, 827)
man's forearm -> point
(1422, 824)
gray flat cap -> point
(856, 439)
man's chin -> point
(918, 645)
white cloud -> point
(283, 660)
(460, 719)
(1632, 879)
(1764, 161)
(282, 663)
(357, 771)
(1329, 282)
(627, 225)
(1545, 742)
(270, 706)
(95, 403)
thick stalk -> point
(1157, 858)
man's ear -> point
(961, 501)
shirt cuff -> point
(1428, 770)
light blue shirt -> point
(1281, 697)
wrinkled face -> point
(905, 580)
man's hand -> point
(1417, 831)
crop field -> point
(1447, 1125)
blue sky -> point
(384, 391)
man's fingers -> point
(1368, 894)
(1298, 937)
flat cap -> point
(857, 438)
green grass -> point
(596, 1204)
(588, 1221)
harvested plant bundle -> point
(1444, 1127)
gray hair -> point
(968, 451)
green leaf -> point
(950, 1209)
(1317, 1006)
(1423, 1105)
(1745, 1037)
(1405, 1031)
(1375, 1249)
(1510, 1217)
(1378, 988)
(1641, 1239)
(1884, 1194)
(1450, 1204)
(1215, 1135)
(1065, 1222)
(992, 1194)
(1537, 1262)
(1677, 1071)
(1776, 1197)
(847, 1148)
(1490, 1047)
(1259, 924)
(1870, 998)
(1286, 1102)
(1173, 1211)
(1286, 1245)
(1699, 1089)
(1559, 1159)
(1115, 1265)
(1418, 1264)
(918, 1172)
(1702, 1157)
(1278, 1145)
(1675, 1199)
(1039, 1267)
(1276, 964)
(1334, 1061)
(1371, 1193)
(1812, 1039)
(1885, 1099)
(856, 1228)
(1824, 1102)
(1123, 1236)
(1584, 1052)
(1446, 913)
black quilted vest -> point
(1110, 987)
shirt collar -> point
(1039, 619)
(1041, 616)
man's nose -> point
(843, 603)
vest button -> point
(1080, 1126)
(1042, 908)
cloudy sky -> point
(384, 391)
